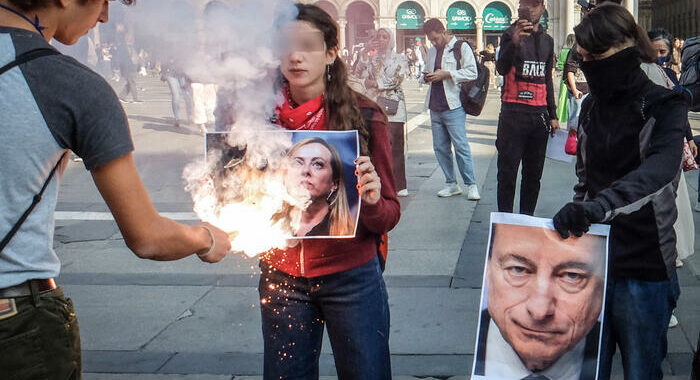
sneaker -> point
(473, 192)
(124, 100)
(402, 193)
(673, 322)
(679, 263)
(697, 207)
(450, 190)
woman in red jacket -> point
(332, 282)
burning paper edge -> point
(312, 132)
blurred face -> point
(676, 43)
(305, 55)
(79, 18)
(311, 169)
(536, 9)
(439, 39)
(544, 293)
(383, 40)
(661, 48)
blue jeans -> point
(574, 111)
(178, 89)
(636, 319)
(449, 129)
(352, 304)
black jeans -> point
(42, 341)
(521, 137)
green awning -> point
(496, 17)
(461, 15)
(410, 15)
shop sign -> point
(461, 16)
(496, 17)
(409, 16)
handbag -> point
(390, 106)
(688, 159)
(571, 144)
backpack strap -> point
(23, 58)
(457, 51)
(28, 56)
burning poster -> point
(542, 301)
(267, 188)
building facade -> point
(680, 17)
(479, 21)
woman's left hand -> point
(369, 184)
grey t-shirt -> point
(47, 106)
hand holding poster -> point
(542, 301)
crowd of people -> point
(625, 107)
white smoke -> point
(232, 44)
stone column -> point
(632, 6)
(569, 19)
(479, 34)
(342, 24)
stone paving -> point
(188, 320)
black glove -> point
(577, 217)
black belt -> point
(25, 289)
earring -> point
(328, 73)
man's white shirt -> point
(502, 362)
(467, 72)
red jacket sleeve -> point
(383, 216)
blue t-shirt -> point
(438, 100)
(47, 106)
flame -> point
(246, 195)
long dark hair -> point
(611, 25)
(340, 100)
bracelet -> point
(213, 242)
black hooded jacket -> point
(629, 160)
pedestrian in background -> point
(383, 78)
(180, 88)
(676, 57)
(447, 116)
(528, 109)
(421, 56)
(333, 284)
(488, 58)
(629, 158)
(126, 58)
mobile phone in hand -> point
(585, 4)
(524, 14)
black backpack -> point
(472, 94)
(690, 58)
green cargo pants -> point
(40, 341)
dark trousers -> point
(398, 154)
(130, 86)
(521, 137)
(636, 320)
(42, 341)
(352, 304)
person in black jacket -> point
(628, 165)
(528, 110)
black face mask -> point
(617, 77)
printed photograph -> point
(316, 170)
(542, 302)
